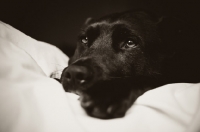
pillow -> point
(48, 57)
(31, 101)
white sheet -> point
(31, 101)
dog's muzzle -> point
(78, 76)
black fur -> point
(109, 75)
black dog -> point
(120, 56)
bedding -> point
(32, 101)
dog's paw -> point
(106, 107)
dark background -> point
(58, 22)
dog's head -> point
(121, 54)
(117, 46)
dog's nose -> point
(77, 75)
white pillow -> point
(48, 57)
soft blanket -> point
(31, 101)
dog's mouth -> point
(96, 85)
(102, 96)
(76, 79)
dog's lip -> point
(73, 87)
(77, 92)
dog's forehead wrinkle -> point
(105, 22)
(119, 28)
(98, 23)
(105, 38)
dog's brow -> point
(92, 34)
(121, 30)
(105, 22)
(99, 23)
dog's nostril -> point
(81, 78)
(77, 75)
(68, 75)
(82, 81)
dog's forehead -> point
(130, 19)
(106, 26)
(114, 29)
(137, 22)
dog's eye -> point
(130, 44)
(84, 40)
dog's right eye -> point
(84, 40)
(129, 43)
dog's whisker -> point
(120, 77)
(59, 70)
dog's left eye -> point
(130, 44)
(84, 40)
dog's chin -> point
(74, 88)
(104, 99)
(107, 102)
(71, 88)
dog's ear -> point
(171, 29)
(176, 35)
